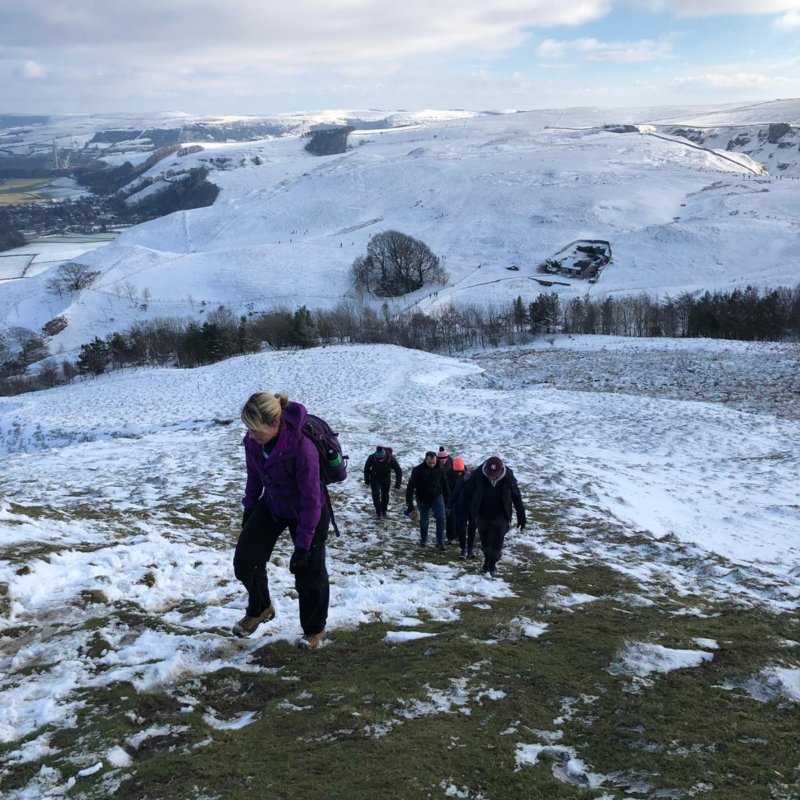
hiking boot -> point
(310, 641)
(441, 547)
(462, 553)
(471, 554)
(247, 625)
(423, 542)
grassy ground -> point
(445, 716)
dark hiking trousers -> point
(380, 494)
(492, 533)
(450, 527)
(253, 551)
(465, 530)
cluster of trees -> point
(192, 190)
(9, 237)
(749, 314)
(330, 141)
(396, 264)
(19, 348)
(99, 178)
(172, 342)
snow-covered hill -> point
(119, 505)
(484, 192)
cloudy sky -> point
(256, 57)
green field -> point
(22, 190)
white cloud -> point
(789, 21)
(710, 8)
(733, 80)
(595, 50)
(32, 70)
(183, 50)
(550, 48)
(316, 29)
(197, 55)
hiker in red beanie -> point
(463, 528)
(453, 476)
(490, 495)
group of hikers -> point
(463, 502)
(284, 490)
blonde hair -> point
(263, 409)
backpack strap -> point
(330, 509)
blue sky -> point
(244, 57)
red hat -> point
(458, 464)
(493, 468)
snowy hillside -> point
(484, 192)
(119, 506)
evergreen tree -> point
(304, 331)
(93, 358)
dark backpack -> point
(332, 462)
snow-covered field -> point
(483, 192)
(123, 492)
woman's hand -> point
(299, 561)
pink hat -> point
(458, 464)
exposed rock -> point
(777, 130)
(55, 325)
(692, 134)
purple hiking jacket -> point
(289, 479)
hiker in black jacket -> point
(453, 474)
(463, 524)
(378, 476)
(487, 496)
(429, 484)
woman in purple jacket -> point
(283, 491)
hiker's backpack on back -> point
(332, 462)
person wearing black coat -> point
(454, 474)
(429, 485)
(490, 496)
(378, 476)
(464, 528)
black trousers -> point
(380, 494)
(253, 551)
(492, 533)
(465, 530)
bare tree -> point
(71, 277)
(127, 290)
(396, 264)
